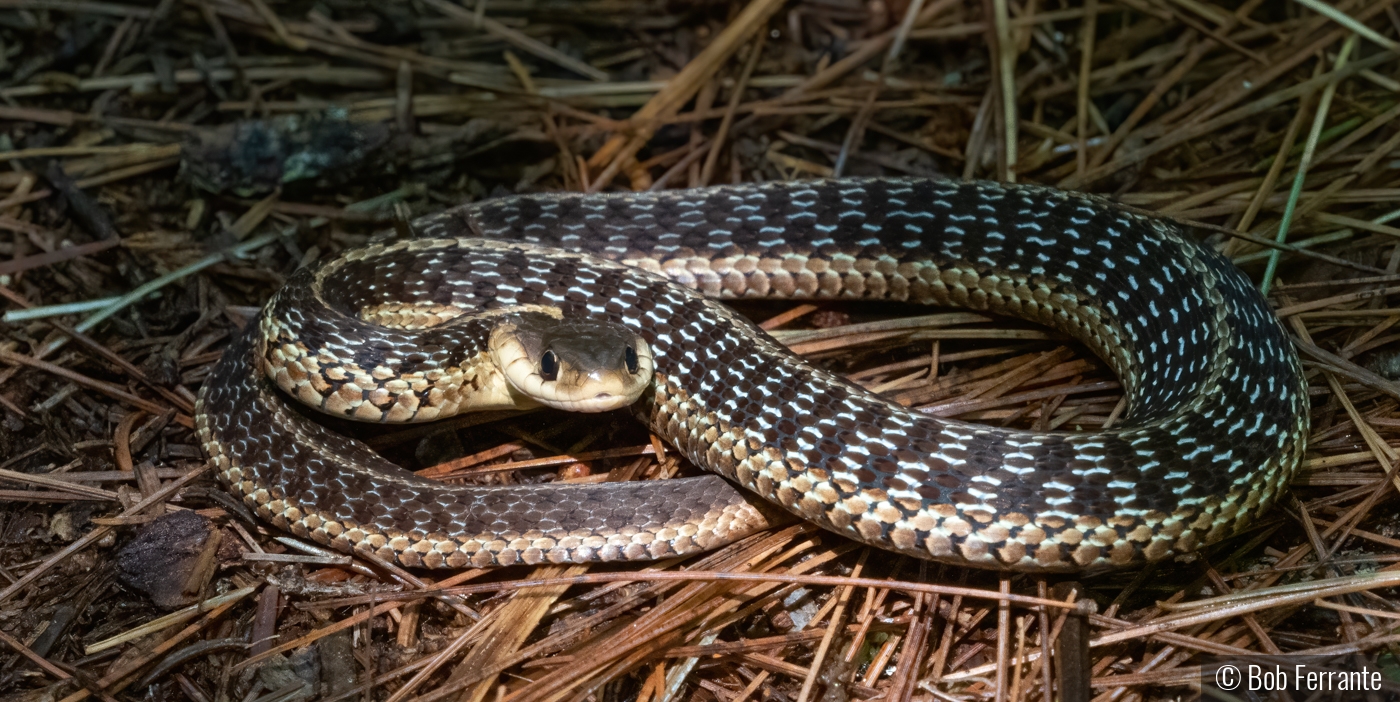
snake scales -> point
(1216, 419)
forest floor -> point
(165, 166)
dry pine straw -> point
(1250, 119)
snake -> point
(1214, 422)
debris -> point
(171, 559)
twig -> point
(1319, 119)
(525, 43)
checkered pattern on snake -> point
(1216, 419)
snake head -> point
(574, 365)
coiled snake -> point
(1216, 419)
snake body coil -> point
(1216, 417)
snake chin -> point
(602, 402)
(576, 366)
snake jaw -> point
(578, 366)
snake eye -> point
(549, 366)
(630, 358)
